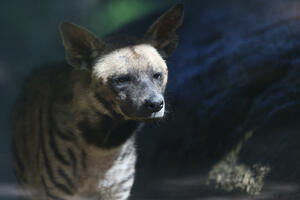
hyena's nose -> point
(154, 104)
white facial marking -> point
(158, 114)
(124, 59)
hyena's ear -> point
(81, 46)
(163, 31)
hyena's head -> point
(128, 75)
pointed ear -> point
(163, 30)
(80, 45)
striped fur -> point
(73, 129)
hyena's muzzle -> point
(144, 101)
(140, 96)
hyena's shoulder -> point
(47, 75)
(41, 82)
(37, 87)
(35, 98)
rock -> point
(235, 71)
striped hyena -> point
(74, 125)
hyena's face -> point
(131, 77)
(136, 77)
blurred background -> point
(232, 129)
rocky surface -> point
(232, 131)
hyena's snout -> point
(145, 107)
(154, 104)
(142, 100)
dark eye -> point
(123, 79)
(157, 76)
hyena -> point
(74, 126)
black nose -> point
(154, 104)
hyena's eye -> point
(123, 79)
(157, 76)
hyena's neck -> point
(106, 132)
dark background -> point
(232, 128)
